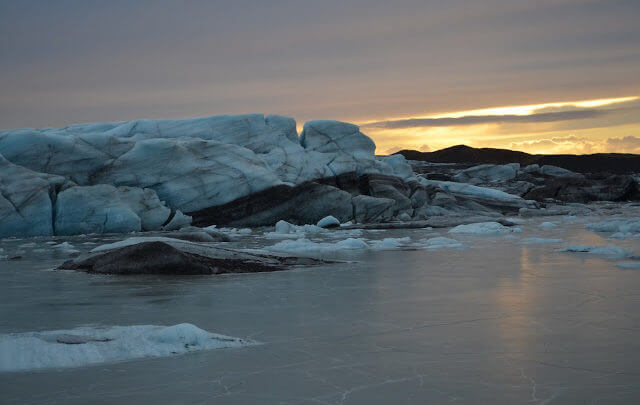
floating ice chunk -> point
(306, 246)
(625, 235)
(66, 247)
(548, 225)
(236, 231)
(535, 241)
(625, 225)
(440, 242)
(85, 346)
(390, 243)
(284, 229)
(484, 228)
(611, 251)
(352, 243)
(629, 265)
(328, 222)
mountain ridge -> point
(619, 163)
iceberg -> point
(101, 177)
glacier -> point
(230, 170)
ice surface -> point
(536, 241)
(485, 228)
(86, 345)
(548, 225)
(611, 251)
(327, 328)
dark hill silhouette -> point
(619, 163)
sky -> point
(543, 76)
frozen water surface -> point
(495, 322)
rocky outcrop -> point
(168, 256)
(303, 204)
(597, 163)
(583, 190)
(533, 182)
(372, 209)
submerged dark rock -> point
(177, 257)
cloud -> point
(488, 119)
(627, 144)
(577, 145)
(424, 148)
(570, 144)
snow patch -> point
(86, 346)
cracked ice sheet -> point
(397, 326)
(87, 346)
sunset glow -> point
(582, 126)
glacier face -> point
(130, 176)
(232, 170)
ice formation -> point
(87, 346)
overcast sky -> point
(77, 61)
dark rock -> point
(583, 190)
(390, 187)
(303, 204)
(372, 209)
(618, 163)
(179, 258)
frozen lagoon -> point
(497, 321)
